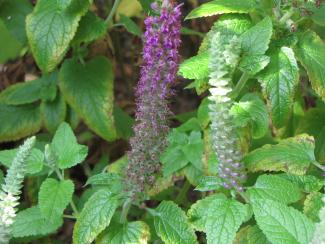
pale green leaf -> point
(313, 204)
(251, 235)
(88, 89)
(252, 64)
(196, 67)
(307, 183)
(112, 181)
(209, 183)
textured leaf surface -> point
(30, 222)
(54, 197)
(195, 67)
(124, 123)
(221, 7)
(89, 90)
(172, 225)
(275, 188)
(251, 235)
(130, 233)
(130, 25)
(66, 147)
(218, 217)
(282, 224)
(313, 204)
(112, 181)
(95, 217)
(279, 81)
(292, 155)
(209, 183)
(50, 28)
(21, 121)
(252, 64)
(309, 52)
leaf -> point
(171, 224)
(21, 121)
(124, 123)
(196, 67)
(318, 15)
(13, 14)
(233, 24)
(218, 217)
(309, 52)
(54, 197)
(129, 233)
(252, 64)
(34, 162)
(50, 28)
(203, 113)
(279, 81)
(256, 40)
(275, 188)
(307, 183)
(90, 28)
(95, 217)
(252, 111)
(312, 205)
(292, 155)
(66, 147)
(221, 7)
(30, 222)
(112, 181)
(130, 25)
(1, 177)
(282, 224)
(88, 89)
(251, 235)
(209, 183)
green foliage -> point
(307, 183)
(251, 235)
(209, 183)
(313, 204)
(129, 25)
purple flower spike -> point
(158, 73)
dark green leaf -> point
(130, 25)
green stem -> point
(243, 195)
(182, 194)
(67, 216)
(74, 208)
(240, 85)
(286, 16)
(125, 210)
(113, 10)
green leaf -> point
(309, 52)
(21, 121)
(282, 224)
(95, 217)
(1, 177)
(318, 15)
(112, 181)
(90, 28)
(292, 155)
(251, 235)
(53, 113)
(256, 40)
(66, 147)
(124, 123)
(203, 113)
(196, 67)
(252, 64)
(307, 183)
(172, 225)
(54, 197)
(50, 28)
(218, 217)
(129, 233)
(275, 188)
(34, 162)
(88, 89)
(233, 24)
(251, 111)
(30, 222)
(313, 204)
(209, 183)
(221, 7)
(279, 81)
(13, 14)
(130, 25)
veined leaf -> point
(251, 235)
(221, 7)
(307, 183)
(171, 224)
(196, 67)
(88, 89)
(95, 217)
(292, 155)
(130, 25)
(313, 204)
(252, 64)
(54, 197)
(112, 181)
(209, 183)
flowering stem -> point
(240, 85)
(113, 10)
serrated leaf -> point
(221, 7)
(196, 67)
(88, 89)
(282, 224)
(218, 217)
(252, 64)
(292, 155)
(172, 225)
(90, 28)
(54, 197)
(203, 113)
(279, 81)
(252, 111)
(313, 204)
(309, 52)
(112, 181)
(233, 24)
(209, 183)
(129, 233)
(307, 183)
(21, 121)
(34, 162)
(66, 147)
(130, 25)
(275, 188)
(30, 222)
(256, 40)
(251, 235)
(95, 217)
(50, 28)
